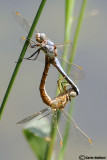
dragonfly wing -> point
(77, 72)
(64, 47)
(27, 119)
(70, 120)
(74, 71)
(64, 44)
(23, 22)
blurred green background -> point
(91, 106)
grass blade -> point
(69, 12)
(77, 32)
(21, 56)
(36, 143)
(76, 36)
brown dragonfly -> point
(58, 103)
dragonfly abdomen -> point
(45, 98)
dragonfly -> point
(43, 43)
(56, 104)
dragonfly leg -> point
(64, 85)
(34, 46)
(58, 83)
(35, 53)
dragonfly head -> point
(40, 37)
(71, 93)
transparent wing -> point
(64, 47)
(74, 71)
(67, 44)
(23, 23)
(70, 120)
(27, 119)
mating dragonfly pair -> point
(52, 57)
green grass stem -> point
(76, 37)
(50, 146)
(20, 57)
(69, 12)
(77, 32)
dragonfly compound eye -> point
(37, 37)
(73, 94)
(40, 37)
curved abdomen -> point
(46, 99)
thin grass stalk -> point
(69, 12)
(21, 56)
(76, 36)
(77, 32)
(65, 138)
(69, 8)
(50, 146)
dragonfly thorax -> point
(49, 42)
(50, 51)
(59, 102)
(40, 37)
